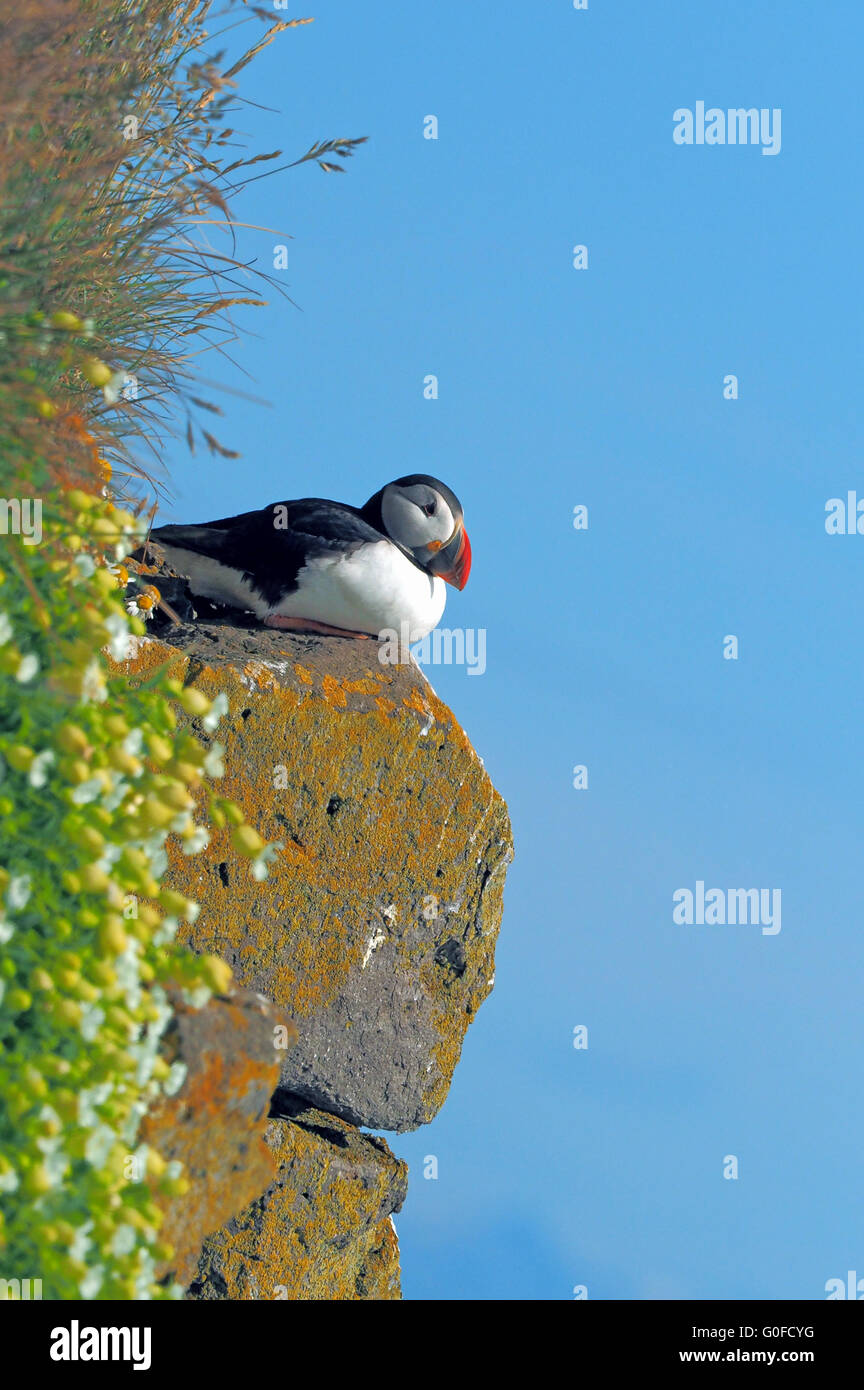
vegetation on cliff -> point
(116, 149)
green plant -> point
(115, 150)
(94, 777)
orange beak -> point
(452, 562)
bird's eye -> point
(429, 509)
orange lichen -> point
(215, 1126)
(262, 675)
(333, 691)
(317, 1233)
(361, 687)
(375, 808)
(381, 808)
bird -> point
(314, 565)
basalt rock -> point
(375, 930)
(322, 1229)
(216, 1123)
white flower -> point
(27, 669)
(137, 1111)
(38, 774)
(160, 998)
(166, 931)
(146, 1275)
(5, 629)
(157, 855)
(134, 741)
(9, 1181)
(112, 799)
(92, 1018)
(92, 1282)
(7, 931)
(145, 613)
(213, 764)
(93, 686)
(261, 862)
(99, 1145)
(126, 967)
(140, 1158)
(86, 792)
(124, 1240)
(85, 565)
(112, 389)
(81, 1241)
(118, 571)
(146, 1055)
(218, 708)
(198, 997)
(56, 1165)
(18, 892)
(118, 629)
(175, 1078)
(88, 1100)
(198, 840)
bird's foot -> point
(309, 625)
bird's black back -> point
(270, 546)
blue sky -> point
(604, 387)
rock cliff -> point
(374, 932)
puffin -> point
(312, 565)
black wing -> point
(270, 547)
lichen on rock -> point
(322, 1230)
(376, 927)
(374, 931)
(228, 1056)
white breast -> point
(366, 590)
